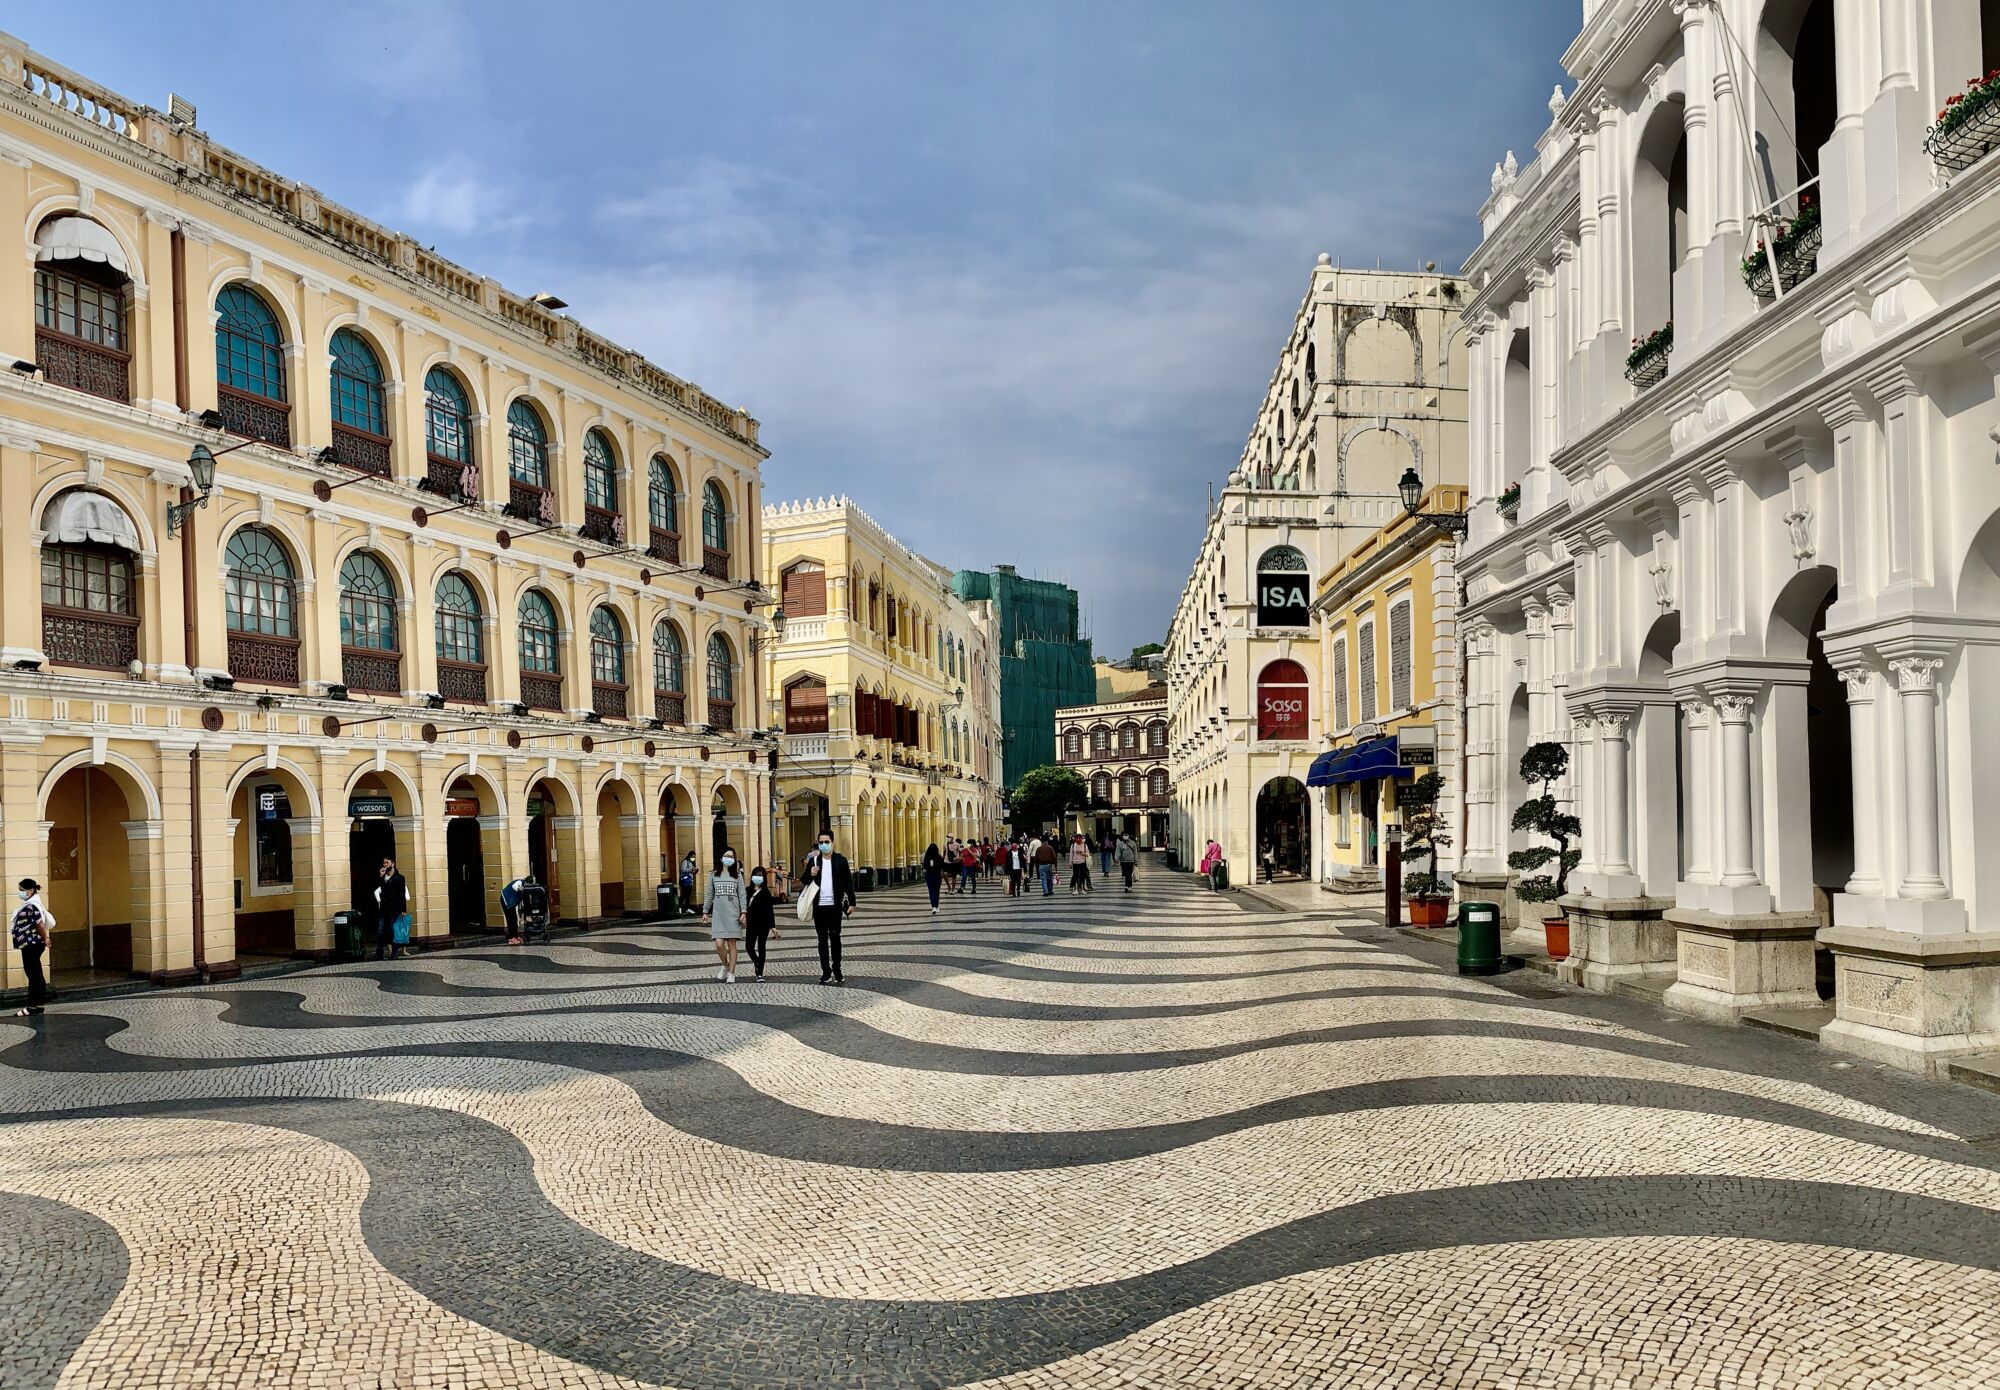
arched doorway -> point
(806, 815)
(1282, 826)
(90, 873)
(372, 806)
(677, 833)
(1810, 723)
(554, 856)
(273, 898)
(465, 854)
(618, 885)
(725, 815)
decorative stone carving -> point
(1916, 672)
(1695, 712)
(1799, 522)
(1734, 709)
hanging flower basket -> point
(1796, 249)
(1969, 126)
(1647, 366)
(1510, 501)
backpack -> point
(27, 927)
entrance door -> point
(538, 854)
(465, 862)
(369, 842)
(1369, 794)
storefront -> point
(1358, 785)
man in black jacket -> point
(828, 879)
(392, 900)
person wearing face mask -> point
(722, 914)
(759, 921)
(831, 883)
(32, 924)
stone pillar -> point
(1698, 799)
(1741, 886)
(1916, 684)
(1866, 880)
(1614, 753)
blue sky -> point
(1012, 275)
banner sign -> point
(461, 806)
(1282, 579)
(1282, 701)
(370, 807)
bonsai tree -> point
(1545, 764)
(1423, 834)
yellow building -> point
(1389, 664)
(410, 618)
(886, 687)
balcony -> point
(1646, 367)
(602, 525)
(663, 544)
(670, 707)
(82, 366)
(1796, 250)
(715, 563)
(805, 629)
(804, 746)
(263, 659)
(254, 417)
(722, 714)
(360, 450)
(450, 478)
(105, 641)
(462, 681)
(531, 503)
(370, 671)
(540, 690)
(608, 699)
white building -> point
(1757, 595)
(1371, 383)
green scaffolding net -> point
(1044, 663)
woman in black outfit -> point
(758, 922)
(933, 873)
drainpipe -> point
(178, 241)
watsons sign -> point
(1282, 581)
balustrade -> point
(670, 707)
(714, 563)
(360, 450)
(264, 659)
(82, 366)
(540, 690)
(254, 417)
(462, 681)
(107, 641)
(376, 672)
(665, 545)
(608, 699)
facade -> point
(1119, 747)
(1370, 384)
(1751, 575)
(1389, 667)
(1045, 662)
(409, 619)
(886, 687)
(1116, 679)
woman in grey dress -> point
(722, 914)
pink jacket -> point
(1210, 857)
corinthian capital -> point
(1917, 673)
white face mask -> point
(728, 859)
(825, 845)
(27, 893)
(757, 879)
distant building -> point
(1116, 679)
(1119, 747)
(1044, 663)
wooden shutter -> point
(805, 708)
(804, 590)
(1401, 697)
(1367, 669)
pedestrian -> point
(831, 883)
(1269, 859)
(722, 914)
(688, 871)
(392, 902)
(1211, 864)
(1079, 864)
(759, 919)
(968, 863)
(1045, 865)
(1106, 847)
(992, 848)
(1016, 861)
(933, 873)
(510, 908)
(32, 924)
(1128, 857)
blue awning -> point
(1379, 757)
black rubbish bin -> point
(864, 880)
(347, 943)
(1478, 939)
(664, 900)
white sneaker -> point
(729, 977)
(933, 912)
(721, 972)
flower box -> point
(1510, 501)
(1797, 252)
(1647, 365)
(1969, 126)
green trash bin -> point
(1220, 877)
(347, 935)
(1479, 939)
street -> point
(1167, 1139)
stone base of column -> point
(1913, 1001)
(1613, 939)
(1915, 916)
(1731, 964)
(1724, 899)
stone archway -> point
(621, 865)
(96, 877)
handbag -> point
(806, 901)
(400, 933)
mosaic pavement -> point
(1147, 1141)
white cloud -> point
(454, 197)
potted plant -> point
(1545, 764)
(1647, 364)
(1423, 833)
(1968, 126)
(1510, 500)
(1795, 248)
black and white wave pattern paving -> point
(1155, 1140)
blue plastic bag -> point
(401, 931)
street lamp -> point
(1411, 488)
(201, 463)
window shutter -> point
(804, 591)
(1400, 694)
(1340, 720)
(805, 708)
(1367, 666)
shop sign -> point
(1416, 757)
(370, 807)
(461, 806)
(1416, 746)
(1282, 696)
(273, 804)
(1282, 577)
(534, 808)
(1362, 733)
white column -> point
(1739, 863)
(1562, 636)
(1695, 799)
(1733, 196)
(1614, 758)
(1537, 617)
(1611, 246)
(1583, 775)
(1477, 409)
(1864, 776)
(1916, 682)
(1702, 135)
(1589, 263)
(1479, 763)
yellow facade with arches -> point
(474, 586)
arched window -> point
(1073, 744)
(250, 367)
(1128, 788)
(1282, 701)
(607, 662)
(663, 512)
(257, 604)
(721, 683)
(541, 668)
(461, 641)
(1100, 742)
(90, 613)
(803, 589)
(669, 674)
(805, 706)
(1156, 736)
(368, 659)
(80, 284)
(1128, 738)
(601, 521)
(714, 531)
(360, 416)
(1100, 787)
(1156, 784)
(528, 495)
(447, 435)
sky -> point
(1012, 275)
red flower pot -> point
(1557, 931)
(1429, 912)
